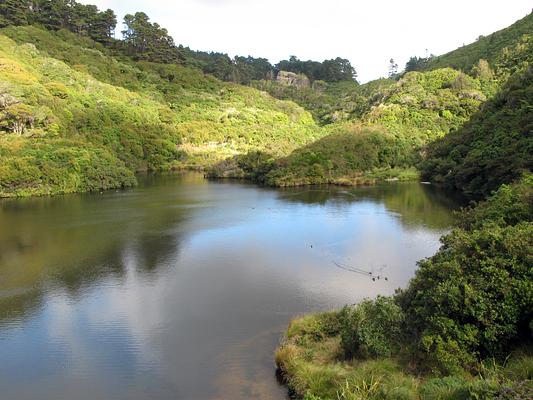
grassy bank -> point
(311, 360)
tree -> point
(14, 12)
(17, 117)
(249, 68)
(334, 70)
(81, 17)
(418, 63)
(147, 41)
(53, 14)
(393, 68)
(415, 64)
(482, 70)
(338, 69)
(107, 24)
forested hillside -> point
(411, 118)
(494, 147)
(76, 118)
(81, 110)
(385, 127)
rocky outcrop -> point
(292, 79)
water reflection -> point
(182, 287)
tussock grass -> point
(311, 361)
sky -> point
(368, 33)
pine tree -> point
(53, 14)
(14, 12)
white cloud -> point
(368, 33)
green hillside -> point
(79, 115)
(329, 102)
(409, 121)
(494, 147)
(76, 118)
(350, 154)
(486, 47)
(385, 142)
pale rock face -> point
(292, 79)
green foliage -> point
(14, 12)
(474, 298)
(196, 121)
(494, 147)
(52, 166)
(461, 330)
(398, 119)
(144, 40)
(350, 154)
(509, 206)
(311, 361)
(334, 70)
(254, 166)
(371, 328)
(329, 102)
(424, 106)
(316, 326)
(417, 63)
(85, 20)
(240, 69)
(148, 115)
(485, 148)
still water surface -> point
(181, 288)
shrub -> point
(474, 298)
(371, 328)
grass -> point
(311, 362)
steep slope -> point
(495, 147)
(486, 47)
(86, 120)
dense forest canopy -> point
(82, 19)
(334, 70)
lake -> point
(182, 288)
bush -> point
(371, 328)
(474, 298)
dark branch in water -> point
(356, 270)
